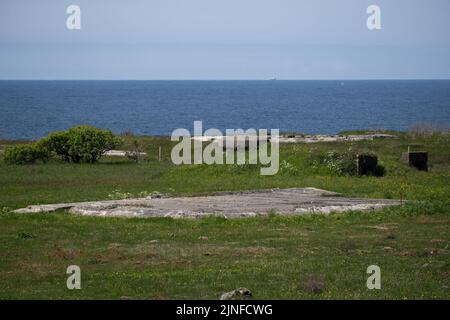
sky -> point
(224, 39)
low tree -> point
(58, 143)
(81, 144)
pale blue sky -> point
(224, 39)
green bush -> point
(78, 144)
(341, 163)
(58, 143)
(26, 153)
(345, 163)
(81, 143)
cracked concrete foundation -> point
(295, 201)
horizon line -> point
(269, 80)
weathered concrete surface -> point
(294, 201)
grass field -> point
(275, 257)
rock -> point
(238, 294)
(203, 238)
(314, 286)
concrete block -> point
(416, 159)
(366, 164)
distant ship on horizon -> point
(273, 78)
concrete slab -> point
(295, 201)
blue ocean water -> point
(32, 109)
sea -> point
(32, 109)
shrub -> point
(341, 163)
(58, 142)
(81, 143)
(345, 163)
(26, 154)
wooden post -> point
(159, 154)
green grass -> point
(272, 256)
(63, 182)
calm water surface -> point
(32, 109)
